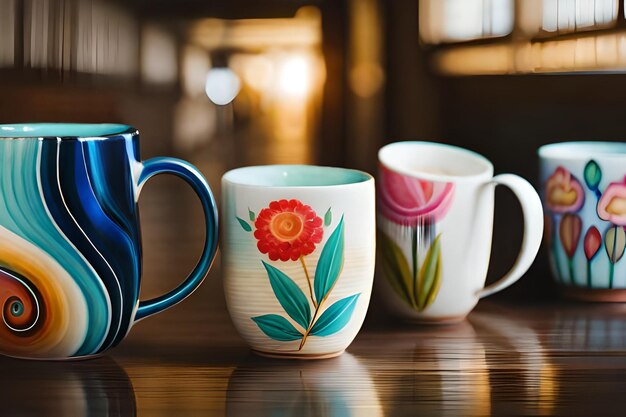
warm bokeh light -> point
(535, 46)
(7, 33)
(194, 67)
(462, 20)
(366, 75)
(568, 16)
(606, 52)
(275, 69)
(294, 77)
(222, 85)
(258, 72)
(303, 30)
(159, 64)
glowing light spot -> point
(222, 85)
(295, 76)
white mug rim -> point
(485, 174)
(364, 177)
(582, 150)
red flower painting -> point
(288, 230)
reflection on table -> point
(337, 387)
(98, 387)
(553, 359)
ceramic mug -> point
(436, 207)
(584, 194)
(70, 250)
(298, 256)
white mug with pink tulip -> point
(584, 194)
(435, 224)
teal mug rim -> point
(578, 150)
(64, 131)
(359, 177)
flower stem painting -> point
(289, 231)
(565, 199)
(415, 206)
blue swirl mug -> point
(70, 243)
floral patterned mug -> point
(298, 257)
(435, 224)
(584, 194)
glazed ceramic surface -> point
(435, 221)
(584, 194)
(70, 250)
(298, 256)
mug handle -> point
(533, 230)
(196, 180)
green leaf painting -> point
(396, 269)
(593, 175)
(429, 278)
(330, 263)
(321, 321)
(289, 295)
(251, 215)
(277, 327)
(335, 317)
(328, 217)
(244, 224)
(418, 289)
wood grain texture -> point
(565, 359)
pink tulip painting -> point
(416, 205)
(408, 201)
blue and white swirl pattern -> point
(69, 245)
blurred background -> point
(239, 82)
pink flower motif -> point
(612, 204)
(564, 194)
(405, 199)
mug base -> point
(436, 321)
(70, 359)
(300, 356)
(595, 295)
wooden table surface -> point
(504, 360)
(557, 358)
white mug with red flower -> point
(435, 224)
(298, 253)
(584, 194)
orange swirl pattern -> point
(38, 298)
(20, 311)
